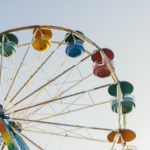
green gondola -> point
(7, 44)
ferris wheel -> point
(56, 82)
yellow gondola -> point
(41, 41)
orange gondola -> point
(126, 135)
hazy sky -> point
(122, 25)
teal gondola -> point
(7, 44)
(126, 88)
(127, 104)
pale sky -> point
(121, 25)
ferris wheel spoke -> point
(55, 113)
(17, 72)
(69, 136)
(33, 112)
(90, 135)
(31, 141)
(27, 81)
(67, 133)
(60, 98)
(47, 83)
(72, 132)
(63, 83)
(116, 138)
(75, 110)
(27, 138)
(66, 90)
(74, 85)
(67, 82)
(70, 104)
(29, 115)
(63, 124)
(48, 94)
(45, 89)
(68, 112)
(32, 101)
(36, 71)
(64, 131)
(82, 78)
(20, 66)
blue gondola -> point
(74, 45)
